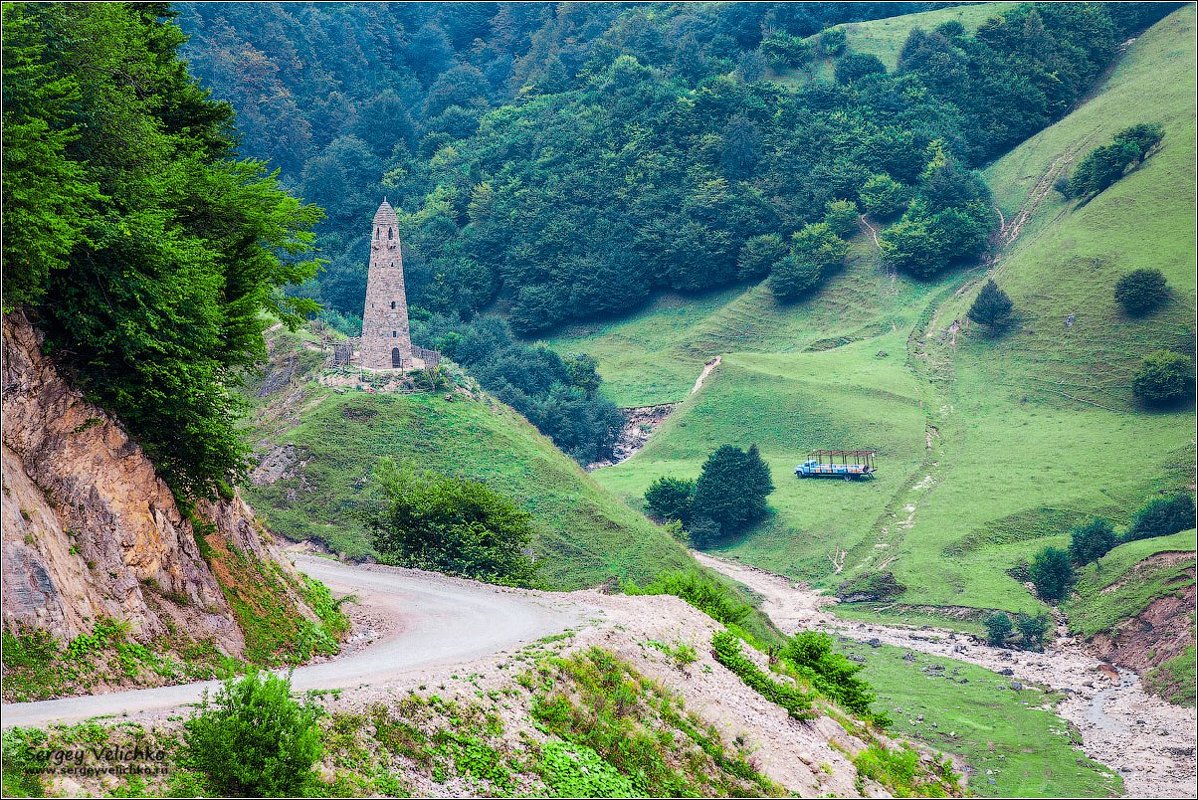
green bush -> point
(670, 498)
(1162, 517)
(812, 656)
(832, 41)
(1142, 291)
(449, 524)
(759, 255)
(1032, 630)
(1165, 378)
(713, 599)
(575, 770)
(814, 251)
(1052, 574)
(852, 67)
(254, 740)
(1104, 165)
(727, 650)
(998, 628)
(1091, 542)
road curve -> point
(438, 621)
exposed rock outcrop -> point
(90, 530)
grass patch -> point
(1174, 679)
(1012, 744)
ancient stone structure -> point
(386, 343)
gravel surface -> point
(1149, 741)
(433, 620)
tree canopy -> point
(134, 236)
(558, 162)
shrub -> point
(1162, 517)
(1165, 378)
(759, 255)
(725, 647)
(253, 739)
(793, 278)
(782, 50)
(1032, 630)
(814, 250)
(670, 498)
(841, 217)
(1091, 542)
(1052, 574)
(713, 599)
(998, 628)
(1142, 291)
(702, 532)
(992, 306)
(855, 66)
(25, 759)
(575, 770)
(451, 525)
(1104, 165)
(832, 41)
(812, 656)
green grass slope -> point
(1113, 589)
(885, 38)
(586, 535)
(989, 448)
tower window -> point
(390, 233)
(394, 334)
(392, 304)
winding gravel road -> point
(435, 621)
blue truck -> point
(847, 464)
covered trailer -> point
(847, 464)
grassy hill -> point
(339, 432)
(885, 37)
(989, 448)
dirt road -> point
(432, 620)
(1150, 742)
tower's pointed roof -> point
(385, 215)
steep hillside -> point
(319, 434)
(100, 559)
(990, 448)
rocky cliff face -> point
(90, 531)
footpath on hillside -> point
(1150, 742)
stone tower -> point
(386, 343)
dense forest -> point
(556, 162)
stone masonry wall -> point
(385, 336)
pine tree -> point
(732, 488)
(992, 306)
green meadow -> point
(989, 447)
